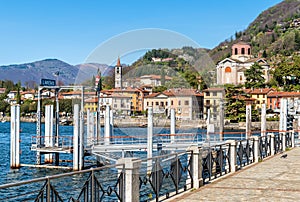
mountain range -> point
(32, 73)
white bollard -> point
(76, 138)
(150, 138)
(272, 136)
(131, 183)
(233, 156)
(248, 121)
(107, 128)
(173, 125)
(263, 120)
(15, 136)
(256, 148)
(49, 132)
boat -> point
(3, 121)
(144, 125)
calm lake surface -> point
(28, 130)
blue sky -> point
(70, 30)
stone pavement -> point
(274, 179)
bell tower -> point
(118, 74)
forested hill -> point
(186, 65)
(275, 31)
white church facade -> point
(231, 70)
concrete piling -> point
(248, 121)
(15, 137)
(76, 138)
(173, 126)
(150, 138)
(107, 126)
(263, 120)
(49, 141)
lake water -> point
(28, 130)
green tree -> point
(157, 89)
(254, 77)
(235, 107)
(287, 73)
(4, 106)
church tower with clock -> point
(118, 74)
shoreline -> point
(142, 122)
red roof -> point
(284, 94)
(261, 91)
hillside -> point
(274, 31)
(30, 74)
(185, 65)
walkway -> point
(274, 179)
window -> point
(179, 102)
(215, 109)
(171, 102)
(257, 96)
(241, 77)
(243, 51)
(207, 93)
(215, 103)
(156, 103)
(249, 51)
(186, 102)
(215, 94)
(235, 51)
(264, 96)
(207, 102)
(227, 70)
(147, 103)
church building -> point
(231, 70)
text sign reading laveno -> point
(48, 82)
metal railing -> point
(215, 162)
(167, 175)
(158, 178)
(96, 184)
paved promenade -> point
(274, 179)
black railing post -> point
(48, 189)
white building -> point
(231, 70)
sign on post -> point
(48, 82)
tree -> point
(157, 89)
(163, 76)
(287, 73)
(235, 109)
(254, 77)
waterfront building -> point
(213, 98)
(136, 95)
(188, 103)
(260, 95)
(28, 95)
(232, 70)
(274, 100)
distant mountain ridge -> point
(68, 74)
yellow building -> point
(260, 95)
(91, 104)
